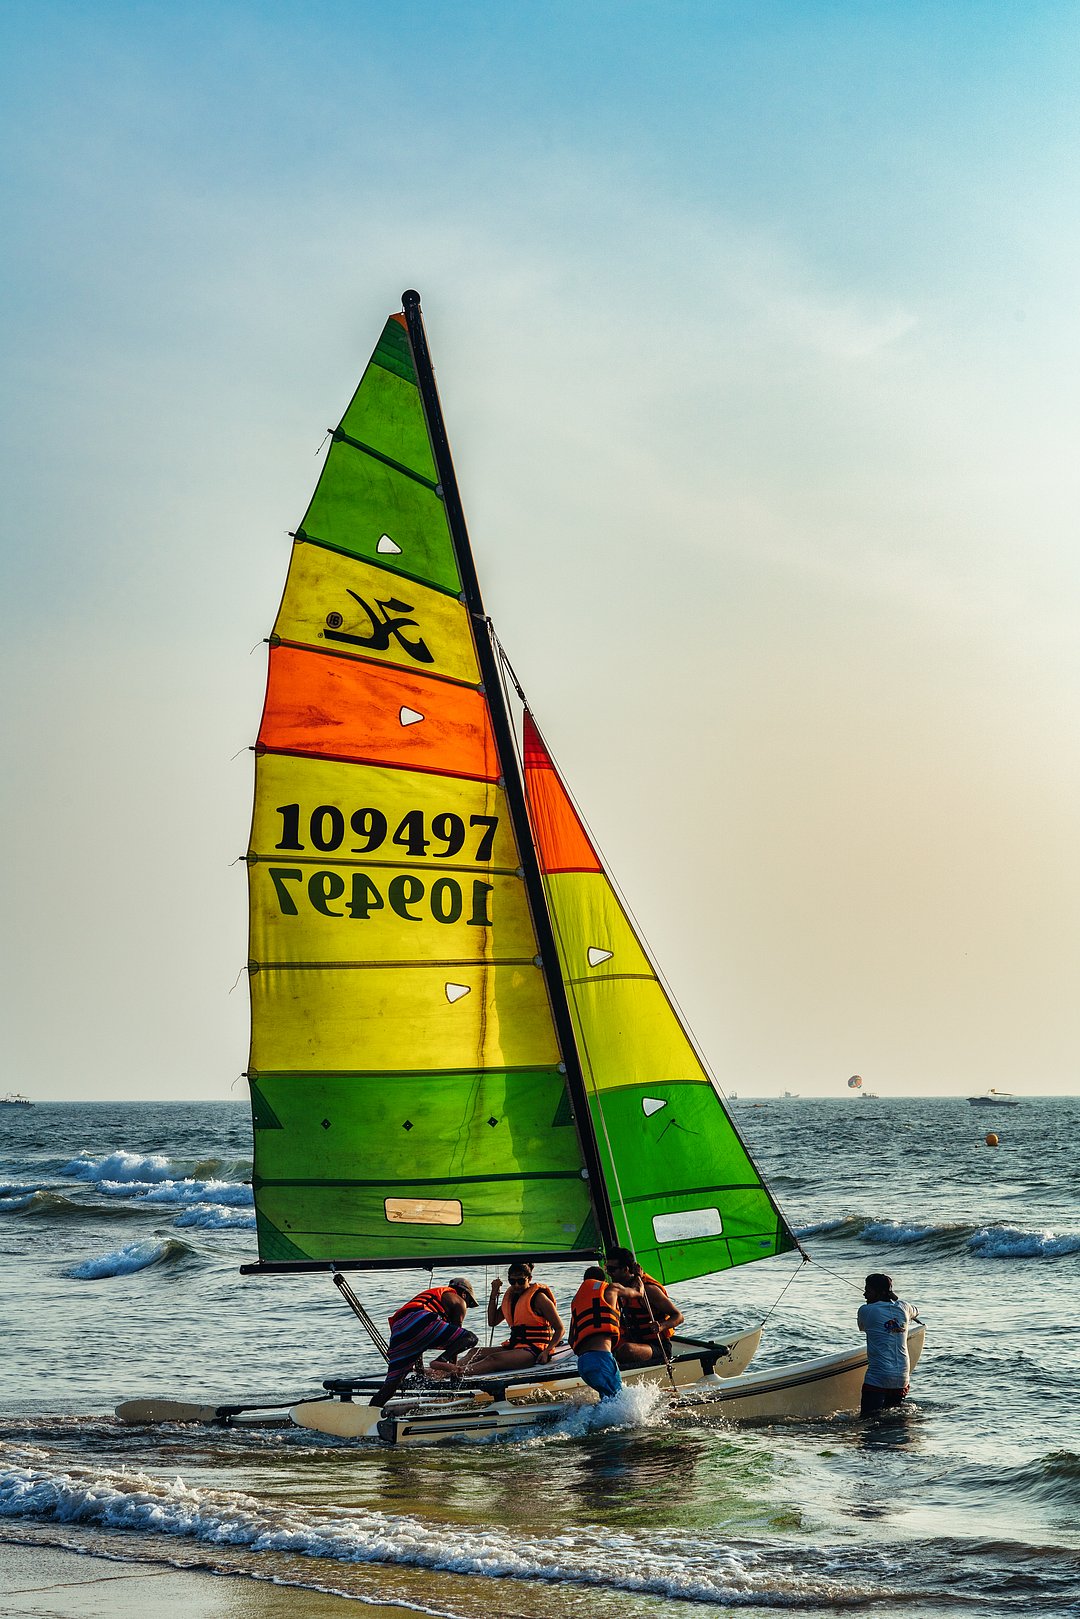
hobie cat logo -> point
(384, 629)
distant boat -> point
(13, 1099)
(995, 1099)
(789, 1096)
(733, 1096)
(871, 1096)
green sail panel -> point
(378, 495)
(685, 1194)
(369, 1166)
(407, 1093)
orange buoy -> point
(991, 1140)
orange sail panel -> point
(345, 708)
(561, 841)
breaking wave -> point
(670, 1568)
(214, 1218)
(119, 1166)
(185, 1191)
(1007, 1242)
(132, 1257)
(149, 1181)
(45, 1204)
(983, 1241)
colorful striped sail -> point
(408, 1090)
(460, 1049)
(685, 1194)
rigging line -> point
(361, 1314)
(556, 928)
(491, 1324)
(796, 1272)
(596, 1194)
(665, 1347)
(239, 975)
(836, 1275)
(507, 665)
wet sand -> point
(50, 1583)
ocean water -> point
(121, 1231)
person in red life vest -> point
(649, 1317)
(432, 1320)
(595, 1325)
(530, 1311)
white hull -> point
(444, 1415)
(809, 1389)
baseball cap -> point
(464, 1287)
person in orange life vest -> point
(530, 1311)
(431, 1320)
(594, 1329)
(649, 1317)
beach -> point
(51, 1583)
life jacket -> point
(526, 1325)
(430, 1299)
(638, 1326)
(590, 1313)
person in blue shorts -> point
(595, 1326)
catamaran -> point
(461, 1051)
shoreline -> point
(57, 1582)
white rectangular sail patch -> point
(426, 1211)
(686, 1224)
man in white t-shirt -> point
(885, 1319)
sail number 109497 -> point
(444, 835)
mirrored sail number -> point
(408, 896)
(444, 835)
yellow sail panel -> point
(340, 604)
(307, 911)
(594, 937)
(328, 1020)
(627, 1034)
(315, 807)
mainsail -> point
(434, 1076)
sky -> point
(757, 337)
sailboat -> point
(461, 1051)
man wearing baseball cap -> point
(432, 1320)
(885, 1319)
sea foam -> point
(1008, 1242)
(665, 1567)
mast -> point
(512, 782)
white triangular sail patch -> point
(596, 956)
(409, 716)
(651, 1105)
(387, 548)
(454, 992)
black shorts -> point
(523, 1343)
(875, 1399)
